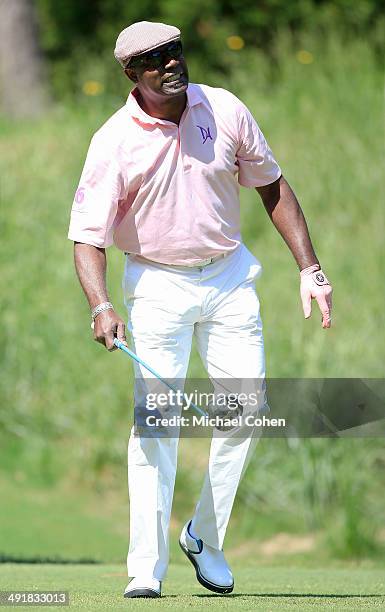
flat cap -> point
(141, 37)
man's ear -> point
(131, 73)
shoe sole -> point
(201, 579)
(142, 593)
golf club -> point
(131, 354)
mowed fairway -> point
(99, 587)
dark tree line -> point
(71, 30)
(22, 75)
(75, 35)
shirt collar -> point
(194, 97)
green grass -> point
(257, 588)
(73, 523)
(62, 522)
(66, 409)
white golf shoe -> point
(143, 587)
(210, 564)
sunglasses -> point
(156, 57)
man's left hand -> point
(314, 284)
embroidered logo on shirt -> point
(205, 133)
(79, 196)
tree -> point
(22, 75)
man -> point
(161, 182)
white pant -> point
(166, 306)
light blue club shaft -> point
(131, 354)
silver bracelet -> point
(100, 308)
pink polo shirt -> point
(171, 193)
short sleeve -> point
(96, 200)
(257, 166)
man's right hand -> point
(107, 326)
